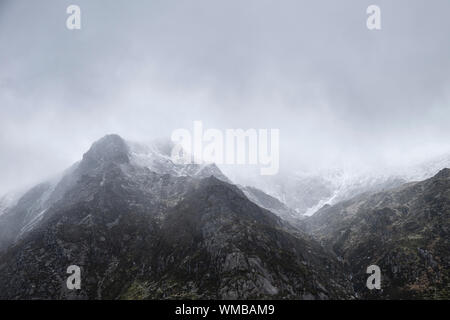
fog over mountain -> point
(351, 123)
(341, 95)
(143, 227)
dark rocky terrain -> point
(405, 231)
(143, 227)
(137, 233)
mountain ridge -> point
(138, 234)
(405, 230)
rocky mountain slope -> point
(405, 231)
(272, 204)
(143, 227)
(306, 192)
(140, 227)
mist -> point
(340, 94)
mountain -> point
(299, 192)
(158, 158)
(405, 231)
(33, 205)
(306, 192)
(4, 204)
(270, 203)
(140, 226)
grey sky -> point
(338, 92)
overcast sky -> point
(338, 92)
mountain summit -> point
(143, 227)
(110, 148)
(140, 226)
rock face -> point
(306, 192)
(405, 231)
(272, 204)
(141, 227)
